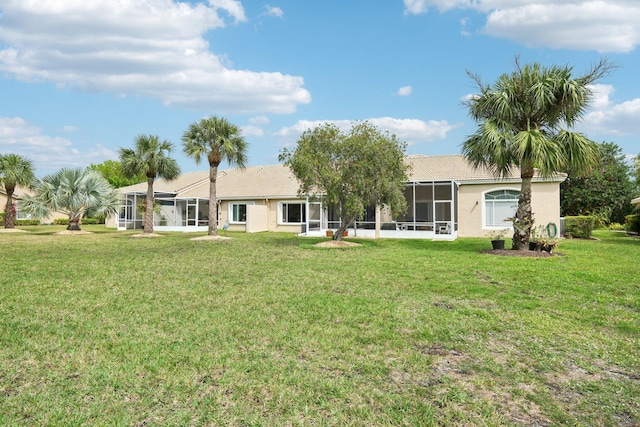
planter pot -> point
(344, 233)
(548, 248)
(497, 244)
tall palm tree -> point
(73, 192)
(14, 170)
(218, 140)
(151, 158)
(524, 119)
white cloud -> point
(609, 118)
(274, 11)
(412, 131)
(404, 91)
(416, 7)
(69, 128)
(232, 7)
(259, 120)
(604, 26)
(137, 47)
(251, 130)
(48, 153)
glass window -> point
(238, 212)
(292, 213)
(500, 205)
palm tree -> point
(73, 192)
(218, 140)
(14, 170)
(151, 158)
(523, 122)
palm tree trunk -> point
(523, 220)
(213, 200)
(148, 208)
(74, 224)
(10, 211)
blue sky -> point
(80, 79)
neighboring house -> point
(446, 197)
(636, 202)
(17, 195)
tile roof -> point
(277, 181)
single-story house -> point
(446, 198)
(18, 194)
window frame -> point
(281, 211)
(485, 211)
(230, 210)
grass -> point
(266, 329)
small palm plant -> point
(73, 192)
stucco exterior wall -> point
(545, 204)
(271, 211)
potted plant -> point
(536, 239)
(497, 238)
(549, 244)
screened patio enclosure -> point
(170, 214)
(431, 213)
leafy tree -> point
(73, 192)
(603, 191)
(112, 171)
(14, 170)
(151, 158)
(218, 140)
(636, 171)
(524, 119)
(349, 172)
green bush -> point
(87, 221)
(579, 227)
(20, 222)
(616, 226)
(632, 223)
(27, 222)
(83, 221)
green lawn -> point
(266, 329)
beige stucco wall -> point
(545, 204)
(271, 214)
(48, 220)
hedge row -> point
(84, 221)
(20, 222)
(579, 227)
(632, 223)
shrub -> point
(632, 223)
(20, 222)
(579, 227)
(83, 221)
(27, 222)
(86, 221)
(616, 226)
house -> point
(636, 202)
(20, 215)
(446, 198)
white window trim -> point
(292, 202)
(230, 210)
(484, 208)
